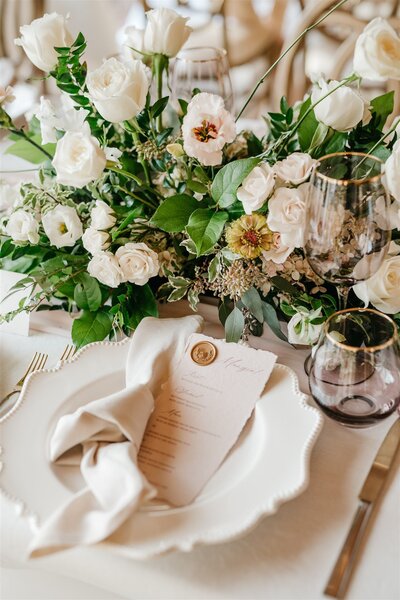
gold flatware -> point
(68, 352)
(373, 484)
(37, 363)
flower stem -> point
(22, 134)
(126, 174)
(278, 60)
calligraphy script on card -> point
(199, 415)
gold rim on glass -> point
(349, 181)
(221, 53)
(386, 344)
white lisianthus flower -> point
(382, 290)
(62, 226)
(64, 117)
(9, 197)
(377, 52)
(166, 32)
(105, 268)
(95, 241)
(342, 109)
(78, 159)
(41, 37)
(23, 227)
(6, 95)
(118, 90)
(294, 169)
(138, 262)
(102, 216)
(256, 187)
(300, 328)
(287, 213)
(206, 128)
(392, 171)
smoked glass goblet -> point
(355, 368)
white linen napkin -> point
(104, 437)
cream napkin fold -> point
(104, 437)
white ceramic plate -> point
(267, 466)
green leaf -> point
(177, 294)
(6, 248)
(224, 310)
(173, 214)
(213, 269)
(142, 304)
(271, 318)
(91, 327)
(205, 228)
(282, 284)
(159, 106)
(229, 178)
(25, 150)
(336, 143)
(383, 106)
(308, 126)
(201, 175)
(319, 136)
(196, 186)
(87, 294)
(179, 282)
(251, 299)
(234, 325)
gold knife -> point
(370, 491)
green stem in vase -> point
(278, 60)
(343, 296)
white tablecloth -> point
(288, 556)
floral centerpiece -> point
(137, 203)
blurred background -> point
(252, 32)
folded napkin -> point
(104, 437)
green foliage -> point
(229, 178)
(271, 318)
(91, 327)
(252, 301)
(24, 149)
(234, 325)
(87, 293)
(174, 213)
(205, 227)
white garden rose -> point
(392, 171)
(294, 169)
(95, 241)
(377, 52)
(41, 37)
(102, 216)
(105, 268)
(9, 197)
(382, 290)
(23, 227)
(118, 90)
(287, 213)
(342, 109)
(278, 253)
(300, 328)
(62, 226)
(166, 32)
(256, 187)
(78, 159)
(206, 128)
(138, 262)
(6, 95)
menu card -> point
(200, 413)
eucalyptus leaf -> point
(271, 318)
(234, 325)
(251, 299)
(229, 178)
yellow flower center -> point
(205, 132)
(62, 228)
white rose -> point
(300, 328)
(377, 52)
(133, 41)
(9, 196)
(102, 216)
(138, 262)
(118, 90)
(94, 240)
(294, 169)
(166, 32)
(105, 268)
(23, 227)
(278, 253)
(206, 128)
(63, 117)
(62, 226)
(287, 212)
(6, 94)
(78, 159)
(41, 37)
(382, 290)
(342, 109)
(392, 170)
(256, 187)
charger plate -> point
(267, 466)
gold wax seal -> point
(203, 353)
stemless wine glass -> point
(347, 231)
(206, 69)
(355, 369)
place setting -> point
(195, 310)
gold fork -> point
(68, 352)
(37, 363)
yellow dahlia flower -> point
(250, 235)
